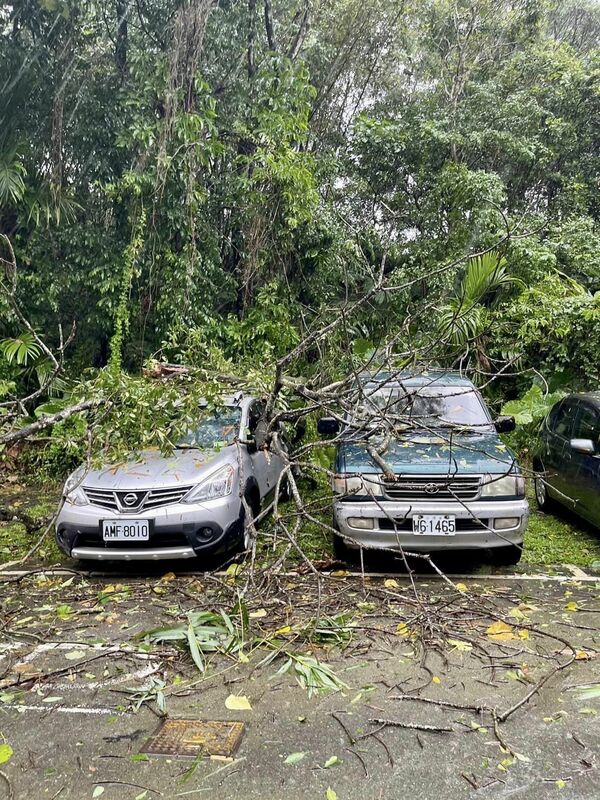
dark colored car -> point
(567, 457)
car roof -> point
(416, 379)
(590, 397)
(239, 399)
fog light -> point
(361, 522)
(205, 533)
(503, 523)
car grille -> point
(134, 501)
(432, 488)
(155, 540)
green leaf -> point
(331, 762)
(330, 794)
(6, 753)
(194, 649)
(294, 758)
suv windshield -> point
(218, 429)
(430, 406)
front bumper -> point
(393, 524)
(178, 531)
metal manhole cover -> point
(193, 737)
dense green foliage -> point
(204, 181)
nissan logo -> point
(431, 488)
(130, 499)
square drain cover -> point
(193, 737)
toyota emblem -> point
(432, 488)
(130, 499)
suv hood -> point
(428, 454)
(152, 470)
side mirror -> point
(585, 446)
(505, 424)
(328, 426)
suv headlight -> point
(503, 486)
(219, 484)
(365, 485)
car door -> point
(258, 459)
(585, 467)
(556, 449)
(265, 464)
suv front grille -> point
(134, 501)
(432, 487)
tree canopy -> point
(209, 181)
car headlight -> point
(219, 484)
(76, 497)
(503, 486)
(354, 485)
(73, 493)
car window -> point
(217, 429)
(587, 425)
(563, 422)
(431, 407)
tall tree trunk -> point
(251, 38)
(121, 45)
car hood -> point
(150, 469)
(431, 455)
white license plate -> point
(125, 530)
(434, 525)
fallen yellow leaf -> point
(238, 702)
(258, 614)
(402, 629)
(500, 632)
(390, 583)
(435, 679)
(462, 587)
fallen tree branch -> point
(413, 726)
(49, 420)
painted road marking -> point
(68, 710)
(398, 575)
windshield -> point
(430, 406)
(218, 429)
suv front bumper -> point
(392, 524)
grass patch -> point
(554, 540)
(37, 504)
(559, 538)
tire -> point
(507, 556)
(341, 550)
(285, 493)
(253, 501)
(543, 499)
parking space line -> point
(68, 710)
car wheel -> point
(507, 556)
(285, 493)
(543, 499)
(340, 549)
(253, 501)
